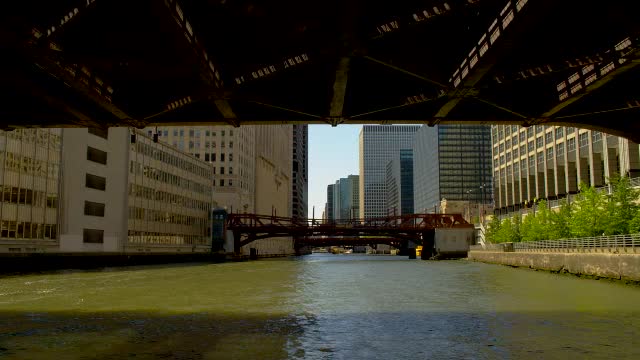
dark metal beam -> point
(597, 84)
(339, 88)
(407, 72)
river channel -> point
(319, 306)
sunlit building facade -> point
(549, 162)
(452, 162)
(30, 189)
(378, 145)
(399, 182)
(231, 151)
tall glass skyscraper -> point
(378, 145)
(400, 184)
(452, 162)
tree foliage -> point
(593, 212)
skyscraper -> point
(330, 206)
(346, 198)
(378, 145)
(451, 162)
(300, 178)
(399, 183)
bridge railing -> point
(628, 243)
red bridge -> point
(396, 231)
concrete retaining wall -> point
(612, 266)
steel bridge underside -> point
(392, 230)
(98, 63)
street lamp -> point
(469, 204)
(482, 189)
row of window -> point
(12, 194)
(28, 165)
(571, 146)
(139, 213)
(196, 145)
(168, 178)
(183, 163)
(191, 132)
(160, 238)
(27, 230)
(42, 137)
(167, 197)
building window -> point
(231, 144)
(230, 170)
(549, 137)
(540, 158)
(571, 144)
(96, 155)
(103, 133)
(93, 209)
(221, 182)
(197, 133)
(584, 139)
(222, 133)
(221, 157)
(93, 236)
(206, 157)
(190, 145)
(213, 157)
(230, 157)
(560, 150)
(559, 132)
(95, 182)
(175, 132)
(550, 153)
(221, 170)
(191, 133)
(207, 133)
(539, 142)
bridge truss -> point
(140, 63)
(392, 230)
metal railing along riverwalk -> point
(597, 244)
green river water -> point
(319, 306)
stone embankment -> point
(625, 267)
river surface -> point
(320, 306)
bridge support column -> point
(236, 243)
(428, 244)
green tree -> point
(622, 207)
(493, 229)
(634, 224)
(561, 221)
(506, 232)
(516, 225)
(544, 221)
(589, 216)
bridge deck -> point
(146, 62)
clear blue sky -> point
(333, 153)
